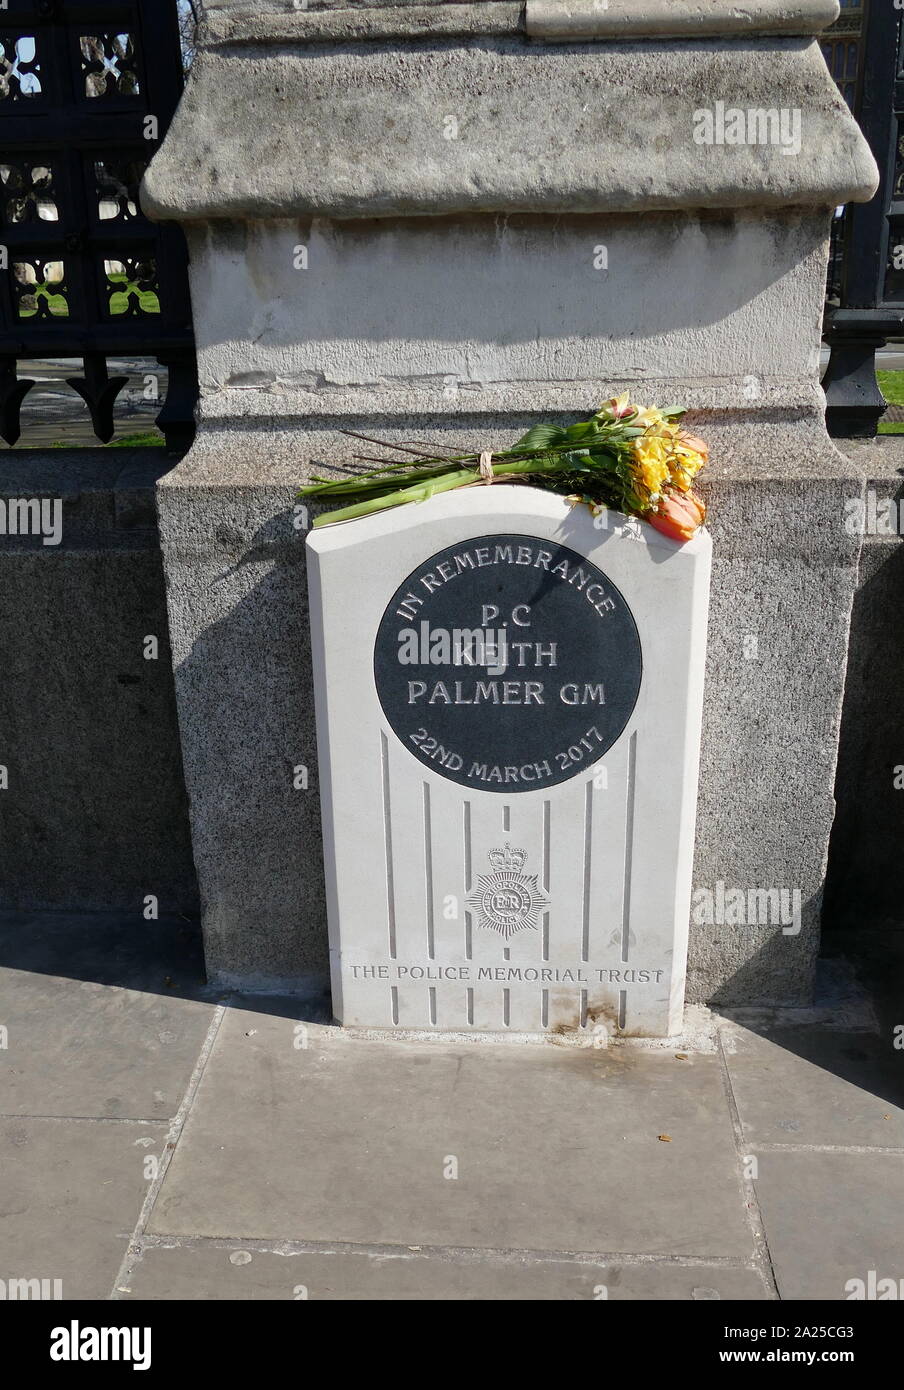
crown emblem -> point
(508, 858)
(508, 901)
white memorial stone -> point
(508, 745)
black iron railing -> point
(865, 299)
(87, 91)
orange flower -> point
(678, 515)
(693, 441)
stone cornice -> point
(346, 25)
(500, 126)
(551, 20)
(571, 20)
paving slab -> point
(209, 1272)
(357, 1140)
(121, 1040)
(816, 1086)
(830, 1218)
(70, 1195)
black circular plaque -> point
(507, 663)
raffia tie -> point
(486, 468)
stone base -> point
(784, 573)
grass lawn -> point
(133, 441)
(891, 384)
(128, 441)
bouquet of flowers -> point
(635, 459)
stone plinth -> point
(443, 223)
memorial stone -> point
(508, 694)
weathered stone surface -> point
(796, 16)
(816, 1087)
(127, 1007)
(498, 125)
(324, 23)
(237, 22)
(449, 318)
(220, 1270)
(296, 1129)
(239, 634)
(395, 1110)
(59, 1221)
(583, 19)
(832, 1218)
(95, 813)
(783, 580)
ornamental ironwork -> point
(87, 91)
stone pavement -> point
(158, 1141)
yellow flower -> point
(648, 416)
(666, 456)
(651, 454)
(685, 465)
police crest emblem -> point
(507, 900)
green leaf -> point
(582, 429)
(539, 437)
